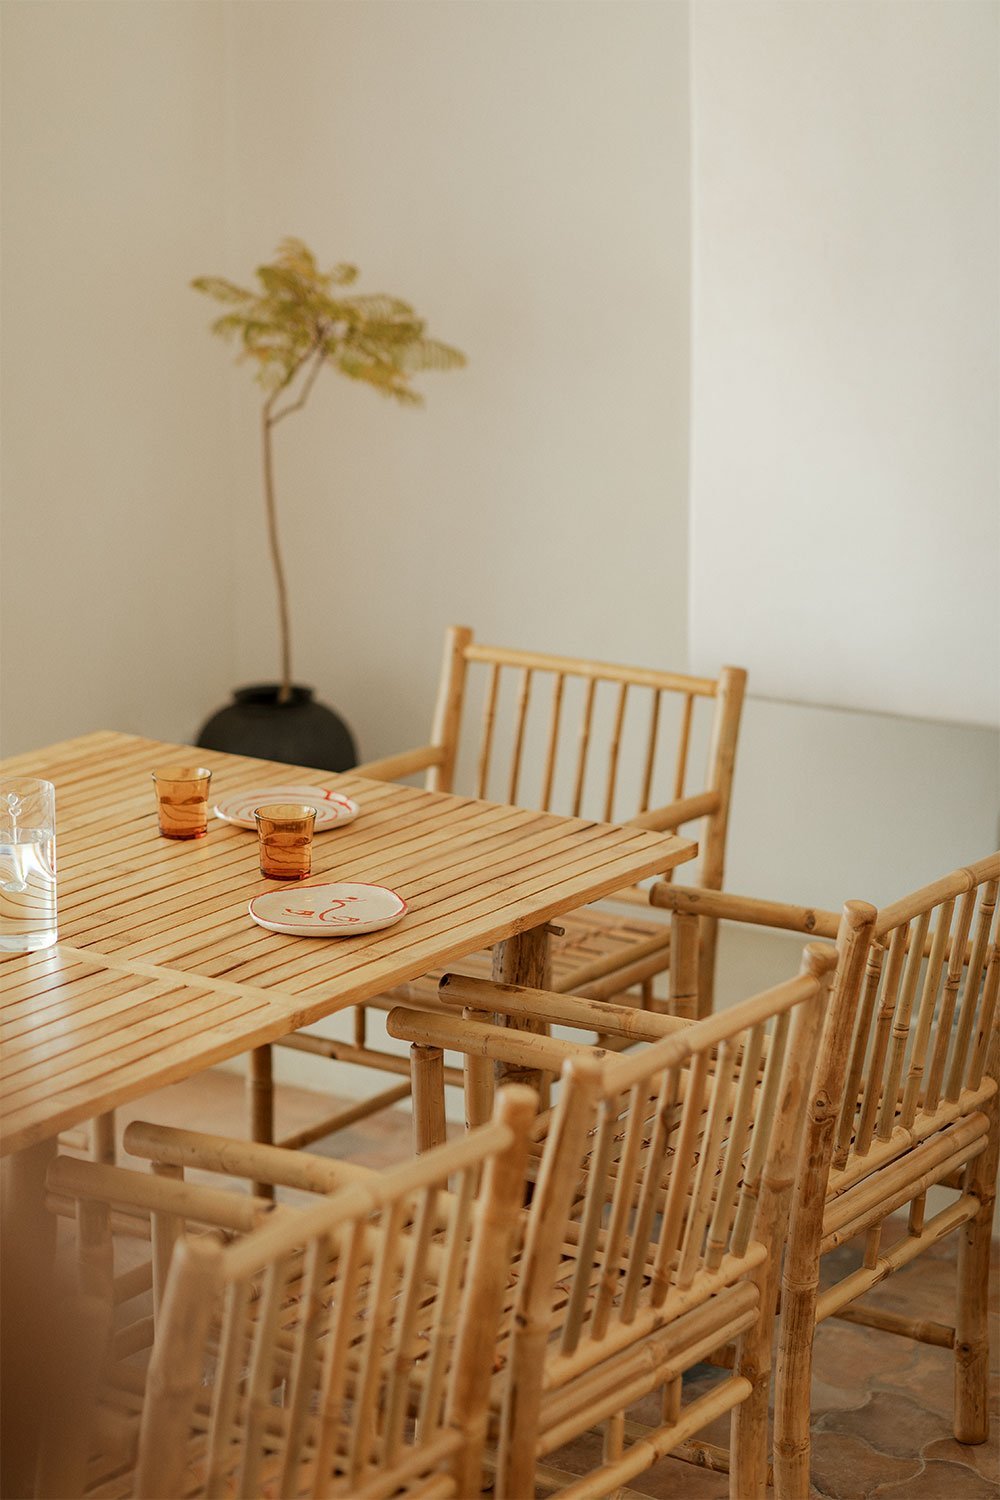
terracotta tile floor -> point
(882, 1405)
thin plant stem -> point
(285, 690)
(269, 419)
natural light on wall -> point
(845, 520)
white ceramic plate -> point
(332, 808)
(345, 909)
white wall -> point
(520, 173)
(116, 611)
(845, 442)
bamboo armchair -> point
(661, 1187)
(906, 1091)
(334, 1349)
(589, 757)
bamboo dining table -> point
(160, 973)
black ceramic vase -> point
(301, 731)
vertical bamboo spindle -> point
(553, 744)
(650, 766)
(584, 745)
(616, 740)
(722, 759)
(448, 709)
(523, 699)
(801, 1267)
(486, 735)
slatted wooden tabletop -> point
(160, 972)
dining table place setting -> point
(183, 941)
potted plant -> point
(297, 321)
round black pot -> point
(301, 731)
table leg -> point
(524, 959)
(261, 1091)
(27, 1255)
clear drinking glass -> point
(182, 801)
(285, 830)
(27, 865)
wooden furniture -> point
(588, 739)
(654, 1232)
(160, 972)
(906, 1093)
(328, 1350)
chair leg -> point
(972, 1331)
(972, 1334)
(748, 1445)
(427, 1075)
(792, 1392)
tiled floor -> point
(882, 1405)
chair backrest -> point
(912, 1017)
(584, 738)
(664, 1180)
(908, 1049)
(345, 1341)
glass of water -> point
(27, 865)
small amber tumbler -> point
(182, 801)
(285, 831)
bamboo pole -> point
(428, 1096)
(448, 709)
(802, 1255)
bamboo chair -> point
(334, 1349)
(907, 1101)
(660, 1196)
(631, 744)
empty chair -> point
(331, 1349)
(907, 1090)
(581, 739)
(655, 1226)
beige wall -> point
(520, 173)
(846, 372)
(116, 609)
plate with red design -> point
(332, 808)
(344, 909)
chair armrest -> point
(250, 1159)
(117, 1186)
(392, 767)
(558, 1010)
(521, 1049)
(673, 814)
(696, 901)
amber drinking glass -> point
(182, 801)
(285, 830)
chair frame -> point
(535, 1370)
(412, 1205)
(932, 1062)
(634, 963)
